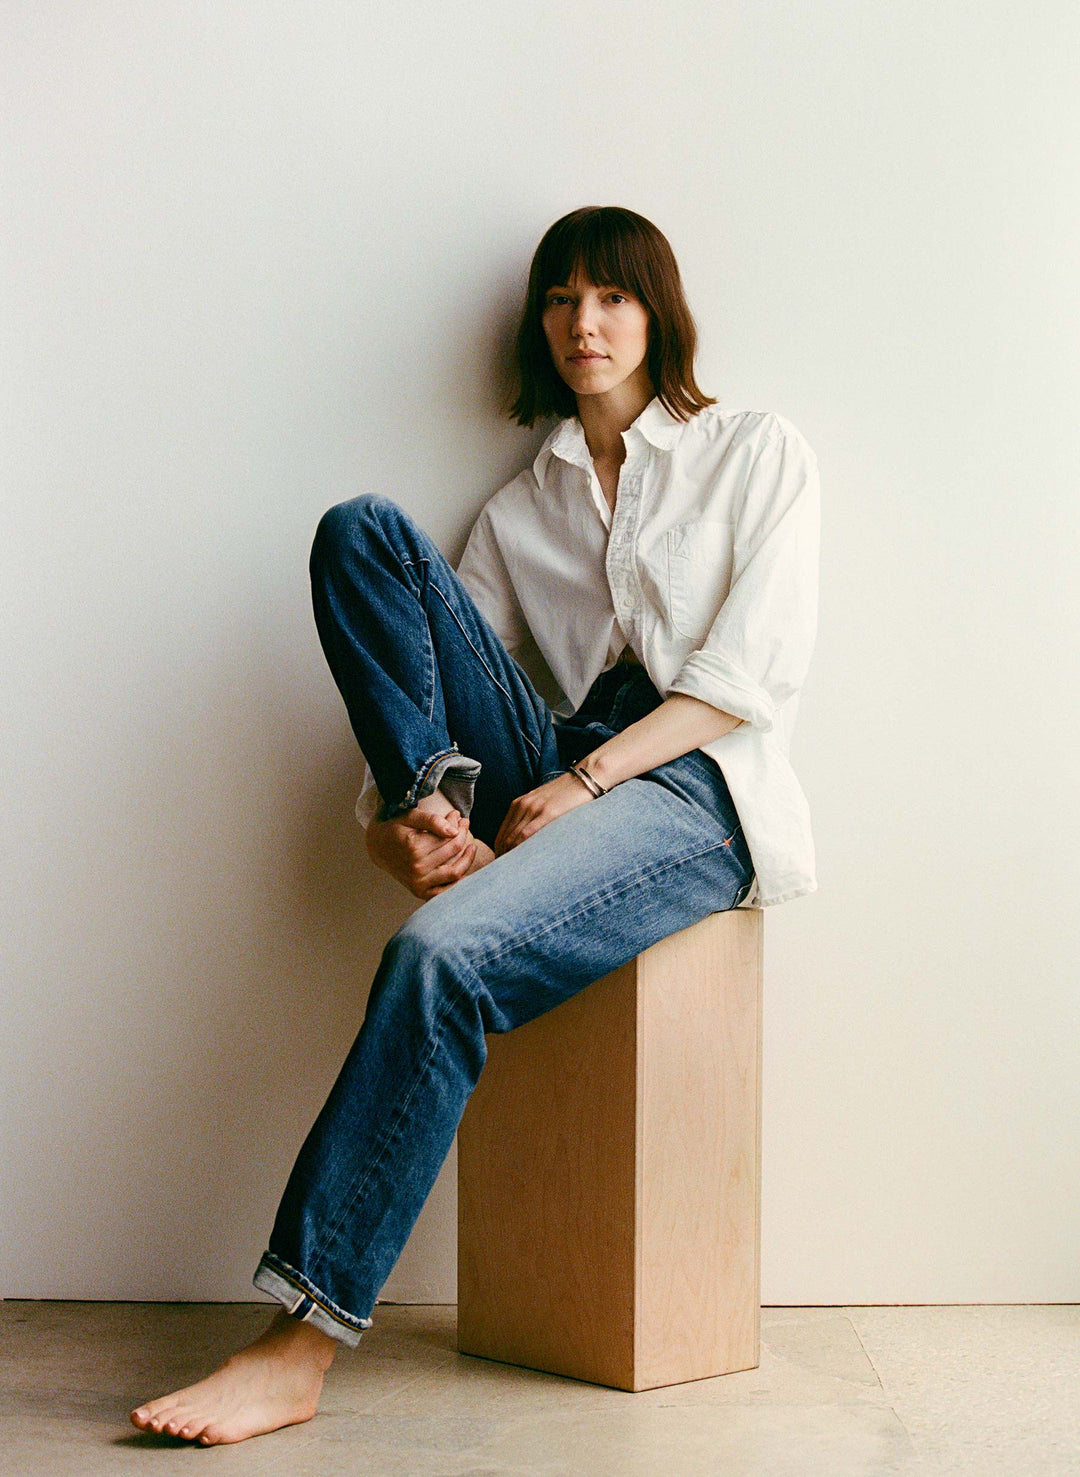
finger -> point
(526, 813)
(435, 854)
(511, 820)
(445, 887)
(517, 817)
(508, 841)
(527, 829)
(432, 822)
(448, 877)
(450, 850)
(452, 871)
(424, 845)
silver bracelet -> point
(594, 787)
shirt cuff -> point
(714, 679)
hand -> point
(424, 851)
(537, 808)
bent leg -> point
(434, 699)
(584, 895)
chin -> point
(591, 382)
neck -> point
(605, 417)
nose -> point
(583, 321)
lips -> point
(585, 358)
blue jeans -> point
(435, 700)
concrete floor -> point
(860, 1391)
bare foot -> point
(274, 1382)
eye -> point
(618, 297)
(555, 298)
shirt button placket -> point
(626, 592)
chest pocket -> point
(699, 561)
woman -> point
(658, 560)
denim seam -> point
(422, 1067)
(411, 564)
(430, 705)
(305, 1285)
(606, 896)
(483, 663)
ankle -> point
(302, 1342)
(436, 804)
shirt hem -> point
(785, 897)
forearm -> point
(679, 724)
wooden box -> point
(609, 1172)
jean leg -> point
(584, 895)
(433, 696)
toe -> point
(154, 1414)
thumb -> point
(437, 825)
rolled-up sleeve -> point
(757, 651)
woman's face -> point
(598, 336)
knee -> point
(433, 947)
(352, 524)
(425, 975)
(424, 943)
(427, 985)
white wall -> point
(266, 255)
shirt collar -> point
(658, 425)
(655, 425)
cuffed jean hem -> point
(302, 1301)
(452, 772)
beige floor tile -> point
(993, 1391)
(775, 1441)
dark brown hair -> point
(613, 247)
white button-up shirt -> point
(708, 569)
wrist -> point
(586, 780)
(598, 766)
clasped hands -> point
(427, 852)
